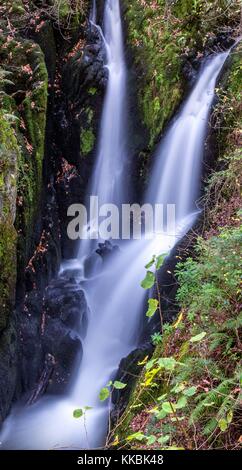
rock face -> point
(46, 156)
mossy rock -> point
(87, 141)
(160, 33)
(9, 153)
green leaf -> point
(119, 385)
(161, 414)
(223, 425)
(109, 383)
(150, 364)
(229, 416)
(166, 406)
(178, 388)
(160, 260)
(162, 397)
(197, 338)
(88, 408)
(78, 413)
(104, 394)
(167, 363)
(177, 418)
(189, 392)
(153, 305)
(148, 281)
(151, 440)
(182, 402)
(148, 265)
(136, 436)
(164, 439)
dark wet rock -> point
(8, 369)
(189, 72)
(64, 324)
(106, 249)
(54, 324)
(44, 380)
(65, 300)
(66, 348)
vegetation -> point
(163, 34)
(189, 393)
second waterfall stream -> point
(115, 297)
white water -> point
(93, 16)
(115, 298)
(108, 177)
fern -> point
(214, 403)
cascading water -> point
(107, 181)
(115, 297)
(93, 16)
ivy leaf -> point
(151, 440)
(78, 413)
(181, 403)
(148, 281)
(189, 392)
(223, 425)
(119, 385)
(164, 439)
(161, 414)
(197, 338)
(148, 265)
(166, 406)
(104, 394)
(153, 305)
(160, 260)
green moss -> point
(9, 153)
(92, 91)
(87, 141)
(159, 33)
(25, 63)
(8, 271)
(69, 12)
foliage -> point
(161, 34)
(189, 391)
(106, 392)
(87, 141)
(148, 283)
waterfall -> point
(93, 15)
(179, 155)
(108, 176)
(115, 297)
